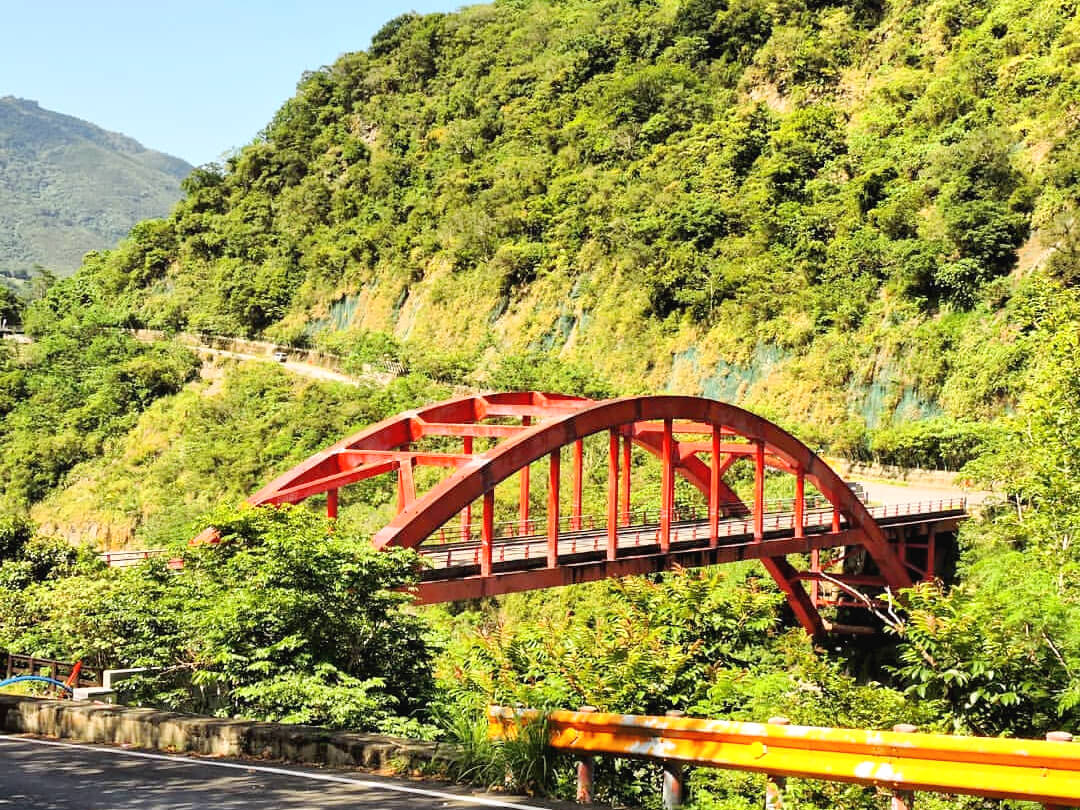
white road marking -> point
(318, 777)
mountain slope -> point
(847, 216)
(68, 187)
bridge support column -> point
(331, 503)
(667, 488)
(714, 489)
(575, 515)
(613, 495)
(466, 515)
(553, 510)
(626, 458)
(487, 533)
(759, 490)
(931, 553)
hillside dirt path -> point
(303, 369)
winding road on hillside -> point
(303, 369)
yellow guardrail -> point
(1032, 770)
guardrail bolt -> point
(674, 779)
(1057, 736)
(775, 785)
(902, 799)
(586, 768)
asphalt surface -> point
(53, 775)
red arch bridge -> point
(822, 548)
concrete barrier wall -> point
(184, 733)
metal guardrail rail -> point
(1046, 771)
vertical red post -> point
(575, 515)
(523, 496)
(466, 516)
(406, 488)
(759, 490)
(835, 519)
(666, 488)
(800, 501)
(714, 489)
(331, 503)
(487, 533)
(931, 553)
(626, 450)
(613, 494)
(553, 510)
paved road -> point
(883, 492)
(48, 775)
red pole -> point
(523, 497)
(800, 502)
(613, 494)
(553, 510)
(666, 489)
(331, 503)
(466, 516)
(714, 490)
(759, 490)
(575, 516)
(487, 532)
(627, 447)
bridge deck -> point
(520, 563)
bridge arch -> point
(533, 426)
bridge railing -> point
(123, 559)
(459, 549)
(537, 524)
(901, 761)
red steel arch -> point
(535, 425)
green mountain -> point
(68, 187)
(839, 213)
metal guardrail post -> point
(902, 799)
(586, 771)
(1057, 736)
(775, 785)
(674, 791)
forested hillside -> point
(858, 219)
(844, 214)
(68, 187)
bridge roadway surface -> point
(52, 775)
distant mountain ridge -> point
(68, 187)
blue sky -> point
(193, 78)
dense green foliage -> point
(70, 187)
(857, 219)
(282, 620)
(828, 210)
(65, 396)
